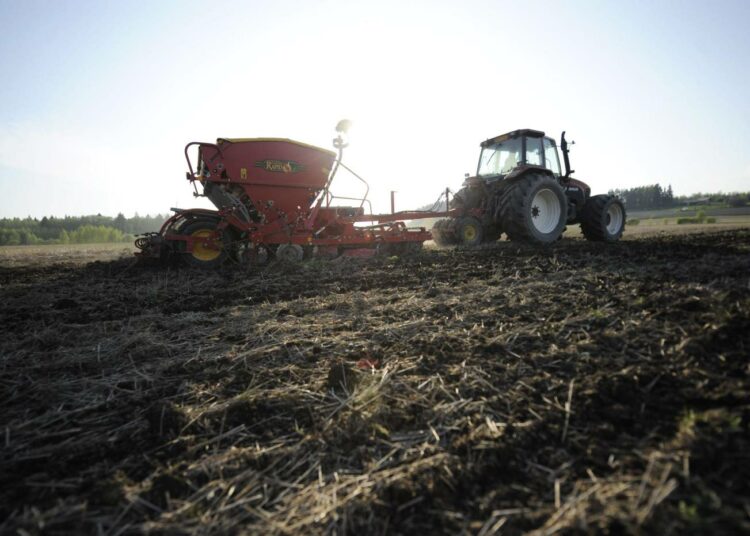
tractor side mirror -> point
(566, 159)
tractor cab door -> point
(533, 151)
(551, 158)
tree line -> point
(646, 197)
(76, 229)
(653, 196)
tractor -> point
(520, 190)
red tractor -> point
(520, 190)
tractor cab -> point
(513, 153)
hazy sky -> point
(99, 98)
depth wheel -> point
(258, 255)
(534, 209)
(603, 218)
(290, 253)
(206, 253)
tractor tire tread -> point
(512, 207)
(443, 232)
(592, 216)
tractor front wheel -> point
(534, 209)
(470, 231)
(603, 218)
(444, 232)
(206, 253)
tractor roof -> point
(514, 134)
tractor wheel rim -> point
(202, 252)
(545, 211)
(470, 233)
(614, 218)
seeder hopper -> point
(273, 198)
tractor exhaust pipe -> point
(566, 159)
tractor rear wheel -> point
(603, 218)
(534, 209)
(470, 231)
(204, 255)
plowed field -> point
(593, 388)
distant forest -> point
(653, 196)
(76, 229)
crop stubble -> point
(602, 388)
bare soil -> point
(584, 388)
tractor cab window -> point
(533, 151)
(500, 158)
(551, 160)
